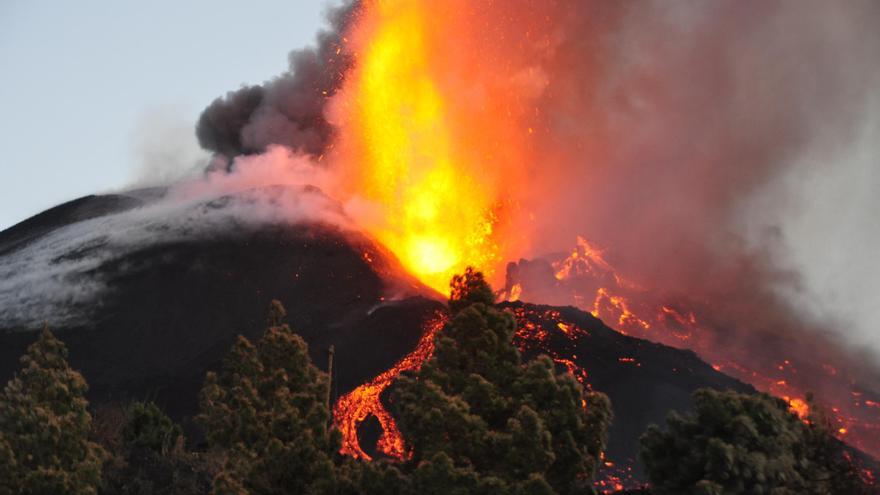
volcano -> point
(161, 294)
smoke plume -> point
(288, 110)
(665, 124)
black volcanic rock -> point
(643, 379)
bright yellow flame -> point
(428, 158)
(434, 208)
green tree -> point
(479, 420)
(147, 453)
(44, 426)
(737, 443)
(148, 427)
(833, 468)
(266, 411)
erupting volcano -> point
(668, 143)
(453, 143)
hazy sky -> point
(88, 87)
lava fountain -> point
(434, 134)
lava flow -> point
(535, 329)
(585, 278)
(356, 406)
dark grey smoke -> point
(288, 110)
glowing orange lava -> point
(356, 406)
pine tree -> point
(44, 427)
(266, 410)
(147, 427)
(478, 420)
(147, 454)
(737, 443)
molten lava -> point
(356, 406)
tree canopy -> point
(736, 443)
(148, 427)
(479, 420)
(44, 427)
(266, 411)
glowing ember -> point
(515, 293)
(606, 304)
(353, 408)
(799, 407)
(585, 259)
(532, 334)
(614, 477)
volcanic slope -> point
(149, 297)
(147, 313)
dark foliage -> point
(266, 412)
(147, 453)
(147, 427)
(745, 444)
(44, 427)
(479, 420)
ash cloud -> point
(697, 141)
(288, 110)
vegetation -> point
(477, 419)
(147, 454)
(746, 444)
(480, 421)
(147, 427)
(44, 427)
(265, 410)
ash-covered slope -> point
(149, 297)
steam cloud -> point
(58, 277)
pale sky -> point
(85, 85)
